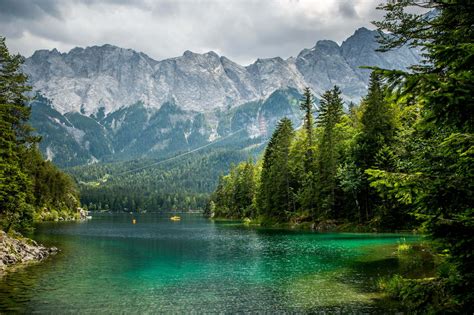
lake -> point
(109, 265)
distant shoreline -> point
(326, 226)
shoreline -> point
(17, 251)
(325, 226)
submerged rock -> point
(325, 226)
(17, 250)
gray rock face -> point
(328, 64)
(84, 80)
(360, 50)
(273, 74)
(21, 250)
(88, 79)
(325, 66)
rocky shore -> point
(15, 250)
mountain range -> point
(105, 103)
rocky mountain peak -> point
(363, 31)
(212, 54)
(189, 54)
(327, 47)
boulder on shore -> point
(17, 250)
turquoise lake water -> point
(109, 265)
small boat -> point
(175, 218)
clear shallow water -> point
(109, 265)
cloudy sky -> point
(242, 30)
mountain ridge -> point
(85, 79)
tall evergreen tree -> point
(307, 193)
(14, 135)
(330, 113)
(276, 197)
(378, 128)
(378, 123)
(306, 106)
(27, 182)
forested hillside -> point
(173, 184)
(30, 187)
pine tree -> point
(27, 182)
(378, 128)
(15, 194)
(330, 113)
(276, 196)
(307, 195)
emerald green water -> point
(109, 265)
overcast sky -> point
(242, 30)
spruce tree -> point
(378, 123)
(307, 192)
(306, 105)
(329, 114)
(15, 193)
(377, 133)
(276, 196)
(28, 184)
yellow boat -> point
(175, 218)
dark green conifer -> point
(329, 114)
(276, 197)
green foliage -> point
(313, 174)
(27, 183)
(235, 194)
(276, 195)
(350, 179)
(148, 185)
(436, 175)
(16, 212)
(378, 124)
(306, 106)
(330, 114)
(373, 147)
(426, 295)
(304, 150)
(444, 82)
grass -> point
(424, 280)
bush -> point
(427, 295)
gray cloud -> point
(242, 30)
(347, 9)
(12, 10)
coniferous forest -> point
(402, 159)
(30, 187)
